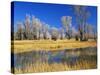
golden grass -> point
(45, 67)
(29, 45)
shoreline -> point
(49, 45)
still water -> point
(69, 56)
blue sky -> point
(50, 13)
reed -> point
(46, 67)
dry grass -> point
(45, 67)
(29, 45)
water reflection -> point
(69, 56)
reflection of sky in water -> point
(65, 56)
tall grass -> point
(45, 67)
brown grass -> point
(29, 45)
(45, 67)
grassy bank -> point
(29, 45)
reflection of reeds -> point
(43, 61)
(45, 67)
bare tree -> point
(95, 33)
(82, 15)
(46, 30)
(62, 33)
(54, 33)
(91, 32)
(27, 27)
(36, 27)
(67, 22)
(19, 33)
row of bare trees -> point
(34, 29)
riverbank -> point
(37, 45)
